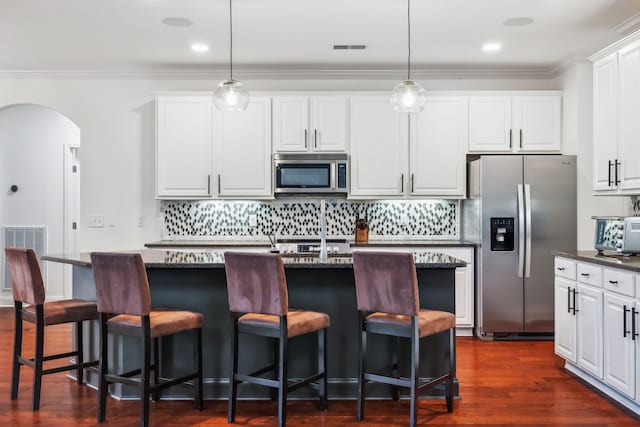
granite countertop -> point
(264, 243)
(631, 263)
(156, 258)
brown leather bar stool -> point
(124, 304)
(259, 305)
(28, 287)
(388, 304)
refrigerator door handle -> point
(521, 231)
(527, 250)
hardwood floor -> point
(501, 383)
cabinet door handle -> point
(305, 138)
(412, 186)
(569, 299)
(634, 313)
(510, 138)
(402, 183)
(315, 138)
(560, 268)
(624, 321)
(575, 292)
(609, 174)
(585, 274)
(218, 183)
(617, 163)
(209, 184)
(613, 282)
(521, 139)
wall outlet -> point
(95, 221)
(110, 220)
(404, 219)
(253, 220)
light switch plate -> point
(253, 220)
(95, 221)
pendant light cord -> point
(230, 42)
(409, 39)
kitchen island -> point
(195, 280)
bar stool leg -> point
(282, 373)
(415, 361)
(233, 370)
(273, 392)
(198, 352)
(104, 368)
(17, 350)
(363, 358)
(80, 353)
(395, 343)
(37, 357)
(156, 368)
(452, 368)
(322, 368)
(146, 365)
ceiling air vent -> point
(349, 47)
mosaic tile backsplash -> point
(410, 219)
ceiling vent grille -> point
(349, 47)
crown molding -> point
(615, 46)
(629, 25)
(294, 72)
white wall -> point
(576, 82)
(32, 142)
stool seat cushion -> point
(163, 321)
(430, 321)
(299, 322)
(70, 310)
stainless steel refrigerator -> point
(520, 208)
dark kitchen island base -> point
(324, 288)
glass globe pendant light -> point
(231, 95)
(408, 96)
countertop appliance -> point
(520, 208)
(618, 234)
(311, 173)
(307, 246)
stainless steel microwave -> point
(311, 173)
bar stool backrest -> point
(26, 277)
(121, 283)
(386, 282)
(256, 283)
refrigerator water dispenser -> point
(502, 234)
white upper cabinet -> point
(438, 144)
(317, 123)
(616, 128)
(183, 146)
(518, 123)
(378, 148)
(537, 122)
(490, 123)
(628, 117)
(242, 145)
(605, 112)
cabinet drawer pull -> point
(560, 268)
(624, 321)
(585, 274)
(613, 282)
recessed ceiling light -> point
(520, 21)
(491, 47)
(199, 47)
(177, 22)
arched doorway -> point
(39, 189)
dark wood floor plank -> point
(501, 383)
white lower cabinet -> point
(464, 278)
(597, 327)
